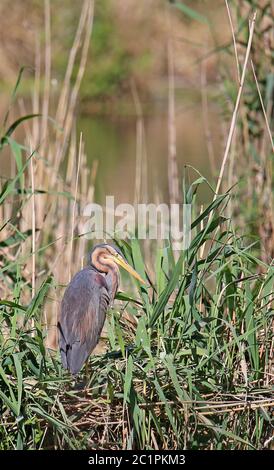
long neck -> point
(111, 270)
(112, 279)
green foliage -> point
(110, 63)
(190, 13)
(191, 373)
(188, 362)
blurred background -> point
(129, 95)
(127, 75)
(128, 98)
(135, 98)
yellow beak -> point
(119, 260)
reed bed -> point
(185, 362)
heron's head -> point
(104, 255)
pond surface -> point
(112, 141)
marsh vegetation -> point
(186, 361)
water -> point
(112, 141)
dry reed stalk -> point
(84, 175)
(33, 228)
(231, 175)
(173, 178)
(35, 133)
(208, 135)
(263, 107)
(94, 170)
(268, 111)
(74, 202)
(236, 108)
(141, 184)
(85, 185)
(71, 156)
(233, 145)
(36, 93)
(61, 149)
(173, 175)
(64, 96)
(49, 175)
(139, 143)
(234, 41)
(47, 75)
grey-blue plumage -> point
(83, 312)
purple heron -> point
(85, 303)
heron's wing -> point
(83, 312)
